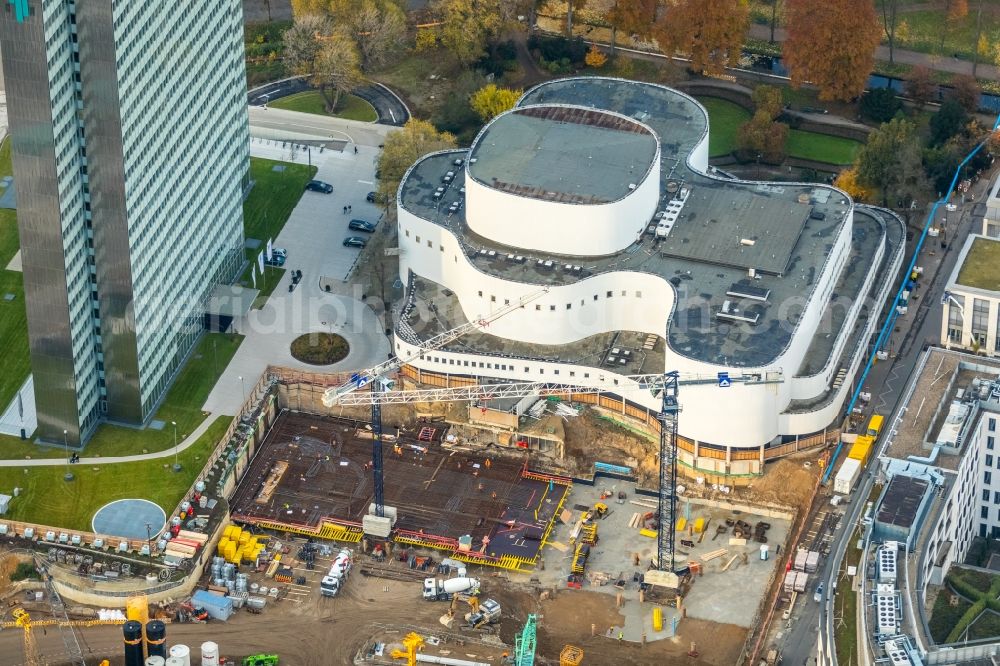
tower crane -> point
(375, 377)
(665, 386)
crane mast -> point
(667, 504)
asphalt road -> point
(390, 108)
(280, 124)
(886, 381)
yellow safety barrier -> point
(657, 619)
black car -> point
(275, 260)
(319, 186)
(355, 241)
(361, 225)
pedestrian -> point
(355, 150)
(621, 635)
(350, 208)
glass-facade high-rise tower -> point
(130, 151)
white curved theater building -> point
(600, 191)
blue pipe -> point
(893, 312)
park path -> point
(104, 460)
(901, 56)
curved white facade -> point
(558, 219)
(638, 290)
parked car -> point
(279, 252)
(275, 260)
(951, 208)
(319, 186)
(355, 241)
(361, 225)
(818, 597)
(375, 198)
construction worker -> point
(621, 635)
(487, 463)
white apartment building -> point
(971, 316)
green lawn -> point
(182, 404)
(46, 498)
(924, 28)
(725, 119)
(944, 616)
(349, 107)
(273, 197)
(987, 626)
(845, 606)
(13, 337)
(821, 147)
(980, 267)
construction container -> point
(217, 606)
(812, 561)
(862, 448)
(132, 631)
(182, 653)
(652, 534)
(789, 584)
(681, 524)
(257, 603)
(657, 619)
(699, 525)
(156, 638)
(209, 654)
(801, 555)
(847, 476)
(155, 660)
(801, 581)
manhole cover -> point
(156, 424)
(278, 168)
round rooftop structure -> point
(129, 518)
(564, 179)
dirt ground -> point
(567, 616)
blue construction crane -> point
(524, 644)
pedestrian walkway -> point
(900, 56)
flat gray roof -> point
(560, 153)
(791, 247)
(732, 228)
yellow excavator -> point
(479, 614)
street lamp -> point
(149, 541)
(243, 387)
(68, 476)
(177, 465)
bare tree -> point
(889, 10)
(337, 69)
(302, 43)
(380, 31)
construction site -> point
(313, 476)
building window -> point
(556, 372)
(638, 294)
(506, 301)
(465, 363)
(980, 319)
(990, 441)
(991, 425)
(538, 307)
(989, 460)
(418, 239)
(569, 306)
(480, 294)
(552, 308)
(441, 247)
(610, 294)
(956, 307)
(407, 233)
(595, 297)
(572, 373)
(493, 298)
(987, 478)
(986, 495)
(984, 513)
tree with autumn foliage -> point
(633, 17)
(762, 137)
(490, 101)
(849, 182)
(920, 86)
(709, 32)
(595, 57)
(831, 44)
